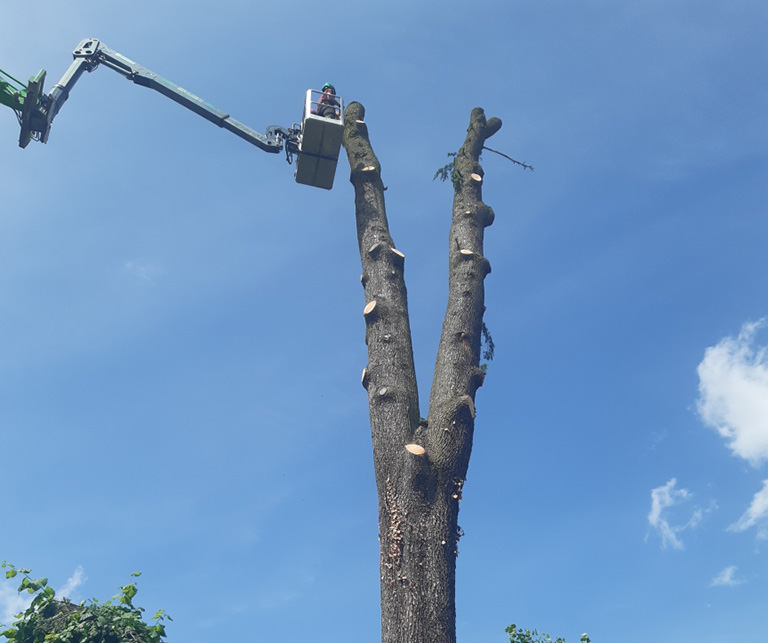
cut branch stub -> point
(367, 173)
(398, 257)
(476, 177)
(369, 308)
(415, 449)
(470, 404)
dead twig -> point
(524, 165)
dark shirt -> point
(327, 105)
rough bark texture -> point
(419, 491)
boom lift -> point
(315, 141)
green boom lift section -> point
(25, 100)
(12, 92)
(36, 110)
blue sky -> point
(181, 335)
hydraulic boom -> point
(317, 149)
(39, 109)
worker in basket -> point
(327, 105)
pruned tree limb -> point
(388, 333)
(457, 372)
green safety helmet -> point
(329, 86)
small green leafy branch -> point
(49, 620)
(519, 635)
(448, 171)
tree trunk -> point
(420, 465)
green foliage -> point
(517, 635)
(487, 342)
(488, 347)
(448, 171)
(49, 620)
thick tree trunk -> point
(420, 466)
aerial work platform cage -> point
(320, 142)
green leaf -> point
(32, 585)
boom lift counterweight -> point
(316, 165)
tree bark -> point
(420, 465)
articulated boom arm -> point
(38, 113)
(315, 142)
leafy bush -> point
(50, 620)
(517, 635)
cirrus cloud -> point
(756, 514)
(663, 500)
(726, 578)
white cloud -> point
(73, 582)
(11, 602)
(756, 514)
(726, 578)
(663, 499)
(733, 393)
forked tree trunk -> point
(420, 466)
